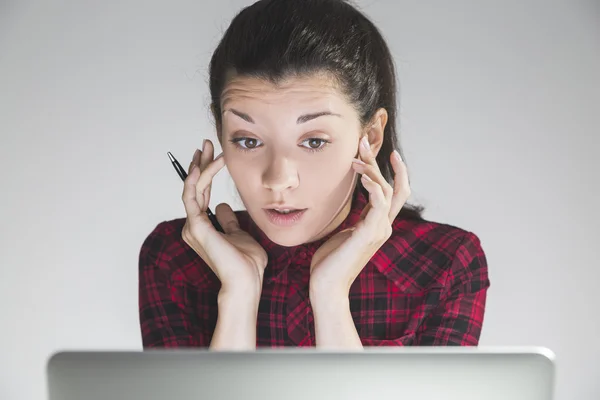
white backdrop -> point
(499, 119)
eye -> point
(315, 144)
(246, 143)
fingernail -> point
(219, 156)
(357, 161)
(364, 142)
(397, 155)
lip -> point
(281, 206)
(283, 219)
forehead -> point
(317, 89)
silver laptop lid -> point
(449, 373)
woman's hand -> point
(234, 256)
(337, 263)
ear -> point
(376, 129)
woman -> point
(327, 254)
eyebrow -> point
(301, 119)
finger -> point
(377, 201)
(205, 180)
(367, 155)
(365, 211)
(373, 172)
(365, 152)
(192, 207)
(401, 185)
(227, 218)
(194, 161)
(206, 157)
(207, 153)
(190, 202)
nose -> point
(280, 175)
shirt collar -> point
(397, 270)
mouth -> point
(284, 216)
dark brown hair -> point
(275, 39)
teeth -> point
(284, 211)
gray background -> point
(500, 108)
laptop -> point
(449, 373)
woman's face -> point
(291, 147)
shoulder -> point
(163, 239)
(423, 253)
(422, 235)
(165, 253)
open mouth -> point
(285, 212)
(284, 217)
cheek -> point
(335, 163)
(241, 172)
(327, 173)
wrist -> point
(333, 296)
(336, 288)
(239, 306)
(239, 294)
(242, 288)
(236, 321)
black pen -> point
(183, 175)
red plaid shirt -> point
(426, 286)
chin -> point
(288, 237)
(291, 243)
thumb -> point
(365, 211)
(227, 218)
